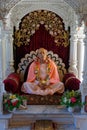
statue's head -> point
(42, 54)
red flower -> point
(15, 103)
(8, 101)
(73, 99)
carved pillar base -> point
(72, 68)
(80, 121)
(1, 96)
(3, 124)
(4, 121)
(83, 88)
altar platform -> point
(33, 113)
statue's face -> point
(42, 54)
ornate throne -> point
(37, 29)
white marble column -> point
(3, 118)
(1, 68)
(73, 54)
(9, 53)
(83, 85)
(80, 58)
(80, 46)
(11, 48)
(80, 52)
(73, 44)
(9, 44)
(3, 54)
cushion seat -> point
(33, 99)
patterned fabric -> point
(33, 99)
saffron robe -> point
(54, 85)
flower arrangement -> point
(12, 101)
(71, 99)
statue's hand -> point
(42, 85)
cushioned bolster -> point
(14, 79)
(12, 82)
(72, 83)
(10, 85)
(68, 75)
(69, 79)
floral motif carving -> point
(32, 21)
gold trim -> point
(44, 125)
(32, 21)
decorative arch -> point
(32, 21)
(41, 28)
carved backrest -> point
(24, 63)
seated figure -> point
(43, 78)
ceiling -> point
(78, 5)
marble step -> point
(57, 114)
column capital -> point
(85, 39)
(82, 18)
(74, 37)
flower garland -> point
(11, 101)
(71, 99)
(37, 72)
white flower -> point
(69, 100)
(65, 100)
(14, 100)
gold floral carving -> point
(32, 21)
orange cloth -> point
(53, 74)
(43, 79)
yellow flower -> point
(12, 96)
(11, 101)
(72, 93)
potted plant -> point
(71, 99)
(12, 101)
